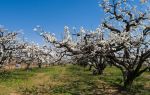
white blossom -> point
(67, 35)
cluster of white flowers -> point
(67, 35)
(48, 37)
(120, 38)
(35, 53)
(103, 42)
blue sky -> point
(53, 15)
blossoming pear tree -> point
(83, 49)
(35, 54)
(126, 46)
(8, 45)
(128, 23)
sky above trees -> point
(53, 15)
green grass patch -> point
(68, 80)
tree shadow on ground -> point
(77, 81)
(116, 82)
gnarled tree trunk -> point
(129, 77)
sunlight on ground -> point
(67, 80)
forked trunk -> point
(101, 68)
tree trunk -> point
(101, 68)
(128, 83)
(40, 65)
(28, 66)
(130, 76)
(100, 71)
(1, 64)
(90, 67)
